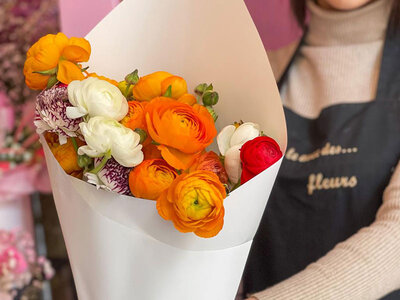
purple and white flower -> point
(112, 177)
(51, 106)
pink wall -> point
(274, 21)
(272, 17)
(78, 17)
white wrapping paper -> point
(119, 247)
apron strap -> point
(389, 77)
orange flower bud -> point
(149, 179)
(210, 161)
(194, 203)
(65, 154)
(149, 86)
(178, 86)
(55, 57)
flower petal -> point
(245, 132)
(68, 71)
(224, 138)
(176, 158)
(233, 164)
(78, 50)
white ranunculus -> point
(96, 97)
(105, 135)
(231, 136)
(229, 141)
(233, 166)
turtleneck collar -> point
(363, 25)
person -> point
(331, 229)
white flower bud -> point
(105, 135)
(231, 136)
(244, 133)
(96, 97)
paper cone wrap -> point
(119, 247)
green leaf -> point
(47, 72)
(168, 92)
(52, 81)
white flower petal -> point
(232, 164)
(244, 133)
(224, 138)
(75, 112)
(89, 151)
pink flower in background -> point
(19, 264)
(13, 261)
(6, 117)
(6, 113)
(6, 238)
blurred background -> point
(33, 259)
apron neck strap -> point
(389, 76)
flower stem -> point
(236, 185)
(75, 144)
(102, 163)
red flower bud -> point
(258, 155)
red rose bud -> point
(258, 155)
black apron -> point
(331, 181)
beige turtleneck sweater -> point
(339, 63)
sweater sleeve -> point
(365, 266)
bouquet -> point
(161, 204)
(22, 272)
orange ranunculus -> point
(149, 179)
(210, 161)
(112, 81)
(57, 58)
(182, 131)
(188, 99)
(151, 151)
(135, 117)
(65, 154)
(178, 86)
(149, 86)
(194, 203)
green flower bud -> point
(84, 161)
(200, 89)
(132, 78)
(210, 98)
(142, 133)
